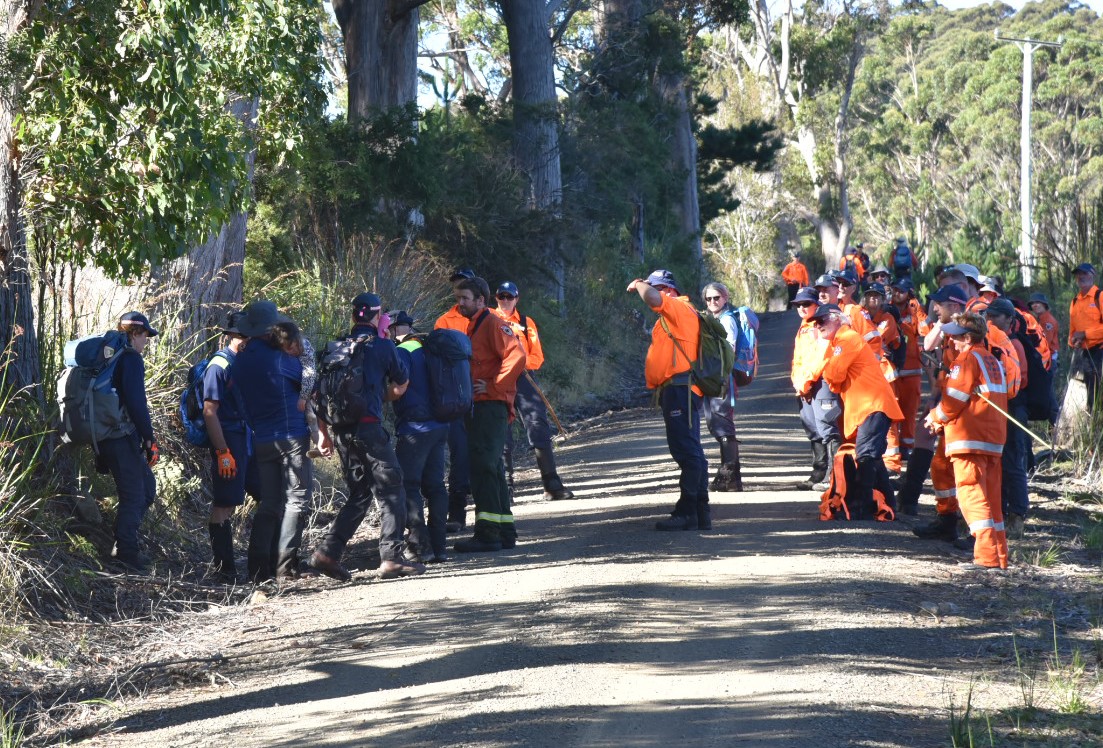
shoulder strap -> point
(524, 323)
(479, 321)
(666, 329)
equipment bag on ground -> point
(841, 495)
(91, 411)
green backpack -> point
(715, 355)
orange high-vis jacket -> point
(795, 273)
(1086, 316)
(808, 359)
(862, 324)
(858, 268)
(496, 357)
(910, 318)
(889, 335)
(855, 373)
(452, 320)
(664, 360)
(1009, 359)
(528, 335)
(1034, 331)
(1052, 331)
(971, 424)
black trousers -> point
(370, 466)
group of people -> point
(258, 396)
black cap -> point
(1084, 267)
(875, 288)
(461, 274)
(508, 287)
(826, 281)
(806, 294)
(1039, 298)
(904, 284)
(136, 320)
(365, 306)
(400, 317)
(233, 320)
(258, 317)
(825, 310)
(1002, 306)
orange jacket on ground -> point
(910, 318)
(1051, 329)
(808, 358)
(496, 357)
(664, 360)
(452, 320)
(795, 273)
(854, 372)
(528, 335)
(1086, 316)
(971, 424)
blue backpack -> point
(191, 401)
(448, 361)
(90, 408)
(902, 257)
(746, 345)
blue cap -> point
(661, 278)
(826, 281)
(806, 294)
(1001, 306)
(1039, 298)
(953, 328)
(1084, 267)
(904, 284)
(875, 288)
(850, 251)
(824, 310)
(951, 294)
(257, 318)
(508, 287)
(131, 320)
(461, 274)
(400, 317)
(845, 277)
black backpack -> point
(1037, 395)
(342, 394)
(448, 361)
(899, 354)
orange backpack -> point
(844, 473)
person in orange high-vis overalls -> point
(869, 405)
(528, 403)
(808, 358)
(974, 432)
(667, 369)
(909, 380)
(1086, 330)
(497, 362)
(795, 276)
(459, 474)
(873, 303)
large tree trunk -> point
(674, 90)
(19, 362)
(535, 118)
(381, 39)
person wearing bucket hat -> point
(130, 457)
(1051, 329)
(459, 471)
(529, 403)
(1086, 330)
(281, 442)
(668, 372)
(224, 418)
(880, 274)
(804, 373)
(794, 276)
(974, 432)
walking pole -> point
(1011, 418)
(547, 404)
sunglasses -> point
(714, 298)
(505, 296)
(805, 304)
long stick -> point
(1011, 418)
(547, 404)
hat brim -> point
(953, 328)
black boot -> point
(943, 527)
(860, 497)
(830, 447)
(819, 463)
(919, 464)
(704, 515)
(222, 547)
(728, 477)
(554, 490)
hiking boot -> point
(400, 567)
(509, 543)
(1014, 526)
(554, 490)
(822, 486)
(910, 508)
(942, 527)
(453, 526)
(477, 545)
(136, 561)
(331, 567)
(678, 522)
(704, 517)
(964, 543)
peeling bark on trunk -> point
(535, 119)
(674, 90)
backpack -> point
(746, 345)
(91, 411)
(342, 396)
(1038, 394)
(838, 499)
(851, 264)
(448, 361)
(715, 357)
(191, 402)
(902, 257)
(899, 354)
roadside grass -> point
(11, 731)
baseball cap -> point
(1084, 267)
(904, 284)
(1002, 306)
(400, 317)
(850, 251)
(461, 274)
(845, 277)
(950, 294)
(875, 288)
(804, 295)
(661, 278)
(1039, 298)
(233, 319)
(367, 300)
(138, 320)
(508, 287)
(826, 281)
(956, 328)
(825, 310)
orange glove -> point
(227, 465)
(153, 452)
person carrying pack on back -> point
(670, 372)
(903, 259)
(130, 455)
(529, 403)
(720, 411)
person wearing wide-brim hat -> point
(270, 392)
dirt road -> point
(774, 629)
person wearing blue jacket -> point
(131, 457)
(420, 449)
